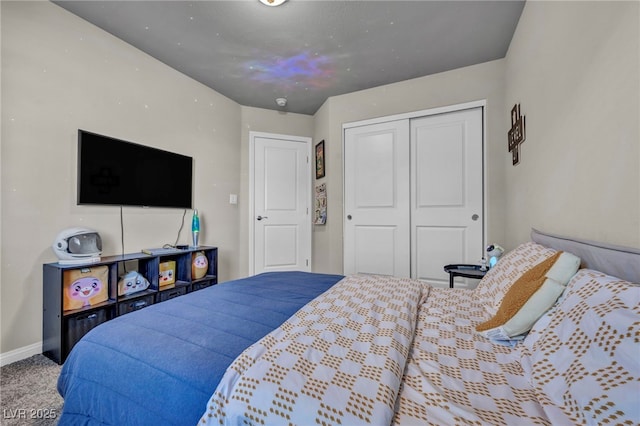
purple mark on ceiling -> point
(302, 70)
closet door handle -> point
(348, 217)
(475, 217)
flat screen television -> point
(116, 172)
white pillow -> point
(530, 297)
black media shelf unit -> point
(62, 329)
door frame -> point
(482, 103)
(252, 137)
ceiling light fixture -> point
(272, 2)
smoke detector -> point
(282, 102)
(272, 2)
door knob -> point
(348, 217)
(262, 217)
(475, 217)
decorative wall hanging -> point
(320, 160)
(516, 134)
(320, 205)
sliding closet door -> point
(447, 192)
(376, 184)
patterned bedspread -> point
(379, 351)
(339, 360)
(454, 376)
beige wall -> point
(59, 73)
(479, 82)
(574, 69)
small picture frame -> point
(320, 169)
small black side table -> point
(464, 270)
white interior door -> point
(447, 193)
(376, 199)
(281, 226)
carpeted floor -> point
(28, 394)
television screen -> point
(116, 172)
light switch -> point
(233, 198)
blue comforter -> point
(160, 365)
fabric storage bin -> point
(201, 284)
(135, 304)
(79, 325)
(167, 275)
(170, 294)
(85, 287)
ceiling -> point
(306, 51)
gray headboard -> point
(621, 262)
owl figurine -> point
(199, 265)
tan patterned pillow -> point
(584, 364)
(508, 270)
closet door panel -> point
(439, 174)
(376, 184)
(369, 257)
(436, 247)
(447, 192)
(375, 171)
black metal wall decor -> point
(516, 134)
(320, 169)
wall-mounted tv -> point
(117, 172)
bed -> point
(160, 365)
(377, 350)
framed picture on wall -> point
(320, 160)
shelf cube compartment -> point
(167, 274)
(85, 287)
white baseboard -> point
(20, 353)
